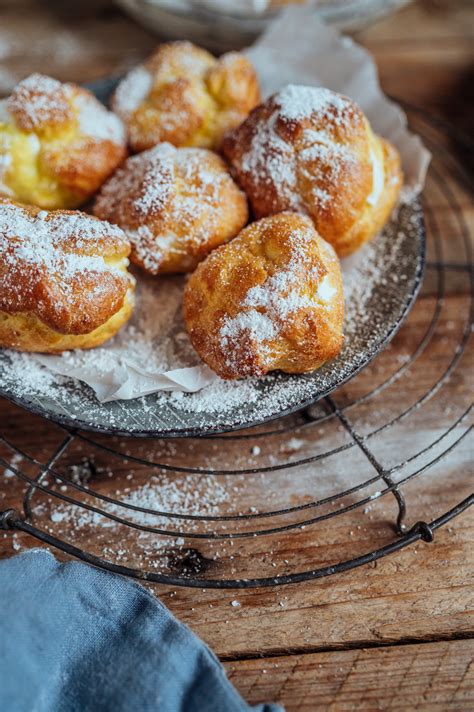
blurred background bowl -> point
(221, 25)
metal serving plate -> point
(75, 405)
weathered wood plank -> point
(424, 592)
(433, 676)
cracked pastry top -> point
(184, 95)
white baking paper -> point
(298, 48)
(125, 379)
(153, 353)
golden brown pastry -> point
(63, 279)
(57, 143)
(183, 95)
(175, 205)
(270, 299)
(313, 151)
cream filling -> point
(326, 291)
(378, 179)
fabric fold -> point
(75, 638)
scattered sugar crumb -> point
(15, 460)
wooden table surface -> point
(395, 634)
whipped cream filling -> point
(326, 291)
(378, 179)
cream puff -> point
(184, 95)
(313, 151)
(270, 299)
(63, 279)
(174, 205)
(57, 143)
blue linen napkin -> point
(77, 639)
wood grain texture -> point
(433, 676)
(423, 593)
(414, 609)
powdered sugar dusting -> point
(298, 103)
(279, 161)
(164, 196)
(377, 281)
(145, 179)
(273, 160)
(191, 495)
(267, 307)
(62, 245)
(95, 121)
(28, 376)
(39, 100)
(132, 91)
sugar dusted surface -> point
(195, 495)
(146, 179)
(270, 158)
(40, 100)
(267, 307)
(378, 280)
(132, 91)
(275, 160)
(64, 246)
(96, 122)
(297, 102)
(163, 196)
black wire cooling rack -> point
(181, 515)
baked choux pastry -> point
(183, 95)
(175, 205)
(313, 151)
(270, 299)
(57, 143)
(63, 279)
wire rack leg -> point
(43, 474)
(400, 527)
